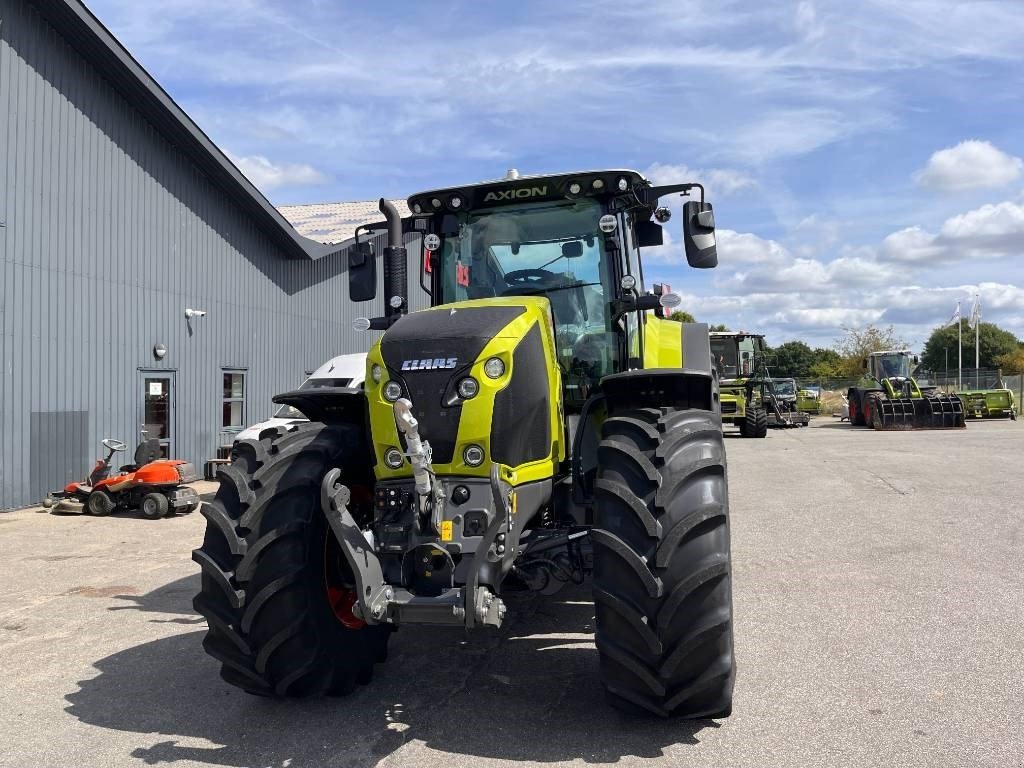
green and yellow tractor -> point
(540, 423)
(889, 398)
(749, 397)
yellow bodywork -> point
(663, 343)
(475, 422)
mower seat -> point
(148, 450)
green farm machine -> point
(540, 423)
(889, 398)
(748, 396)
(988, 399)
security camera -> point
(190, 313)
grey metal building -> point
(118, 218)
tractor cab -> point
(737, 355)
(890, 365)
(574, 239)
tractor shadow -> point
(527, 692)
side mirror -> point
(572, 249)
(699, 235)
(362, 272)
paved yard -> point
(879, 590)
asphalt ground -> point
(879, 604)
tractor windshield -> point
(734, 356)
(895, 365)
(553, 249)
(785, 387)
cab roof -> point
(528, 188)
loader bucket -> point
(929, 412)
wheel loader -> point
(888, 398)
(538, 424)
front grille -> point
(457, 334)
(728, 407)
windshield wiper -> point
(549, 288)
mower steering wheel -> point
(529, 278)
(113, 445)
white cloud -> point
(717, 181)
(970, 164)
(266, 175)
(807, 22)
(1002, 220)
(993, 230)
(912, 244)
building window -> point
(234, 400)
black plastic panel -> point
(521, 427)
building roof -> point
(84, 32)
(335, 223)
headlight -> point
(468, 388)
(392, 391)
(473, 455)
(494, 368)
(376, 373)
(393, 458)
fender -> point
(329, 405)
(692, 385)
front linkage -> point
(381, 603)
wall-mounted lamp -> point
(159, 351)
(190, 313)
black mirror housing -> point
(572, 249)
(362, 272)
(649, 234)
(699, 235)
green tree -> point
(793, 358)
(719, 327)
(993, 342)
(682, 317)
(1012, 362)
(857, 343)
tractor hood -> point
(511, 416)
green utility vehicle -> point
(888, 397)
(794, 399)
(538, 424)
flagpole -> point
(959, 349)
(976, 318)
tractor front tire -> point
(873, 411)
(99, 504)
(755, 423)
(662, 573)
(269, 563)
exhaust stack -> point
(396, 283)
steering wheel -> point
(113, 445)
(529, 278)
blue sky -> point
(864, 159)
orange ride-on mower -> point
(154, 486)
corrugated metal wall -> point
(107, 235)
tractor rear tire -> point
(99, 504)
(755, 423)
(154, 506)
(857, 410)
(268, 559)
(662, 573)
